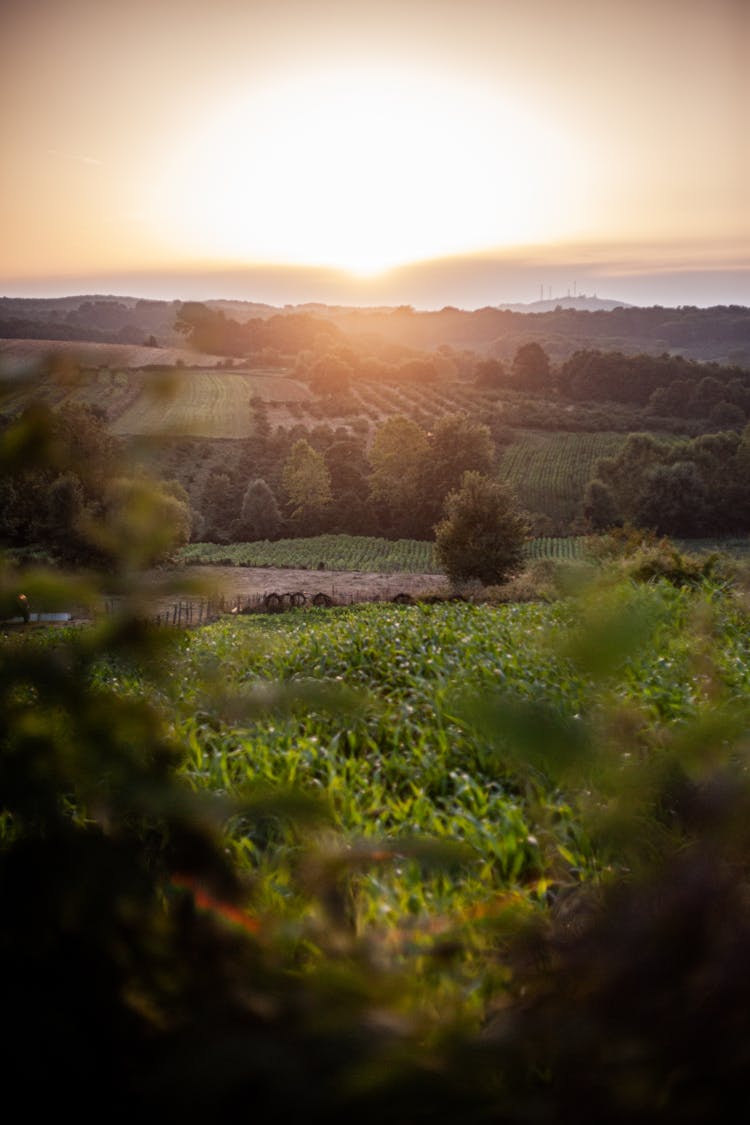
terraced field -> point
(208, 403)
(549, 471)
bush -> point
(482, 534)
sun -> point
(364, 170)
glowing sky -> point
(183, 139)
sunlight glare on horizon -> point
(364, 171)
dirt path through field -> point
(242, 582)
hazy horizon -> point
(417, 152)
(468, 283)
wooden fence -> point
(193, 612)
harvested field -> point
(18, 357)
(209, 403)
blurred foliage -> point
(65, 487)
(146, 969)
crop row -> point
(324, 552)
(395, 734)
(569, 547)
(355, 552)
(549, 472)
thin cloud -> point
(89, 160)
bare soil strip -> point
(243, 582)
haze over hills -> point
(582, 303)
(721, 333)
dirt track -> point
(242, 582)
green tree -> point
(490, 375)
(307, 483)
(44, 503)
(417, 371)
(483, 532)
(141, 524)
(625, 474)
(671, 400)
(531, 370)
(674, 500)
(396, 455)
(599, 506)
(64, 505)
(259, 517)
(330, 375)
(219, 505)
(347, 464)
(457, 445)
(727, 416)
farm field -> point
(570, 547)
(404, 756)
(453, 822)
(354, 552)
(549, 471)
(243, 586)
(110, 391)
(207, 403)
(736, 546)
(19, 357)
(336, 552)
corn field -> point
(549, 472)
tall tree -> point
(347, 465)
(457, 445)
(307, 483)
(219, 505)
(531, 370)
(674, 500)
(259, 517)
(396, 456)
(489, 374)
(330, 375)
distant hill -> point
(561, 325)
(582, 303)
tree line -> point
(86, 505)
(693, 488)
(306, 482)
(719, 332)
(81, 501)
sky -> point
(430, 152)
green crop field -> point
(355, 552)
(437, 860)
(549, 471)
(550, 547)
(395, 735)
(337, 552)
(211, 404)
